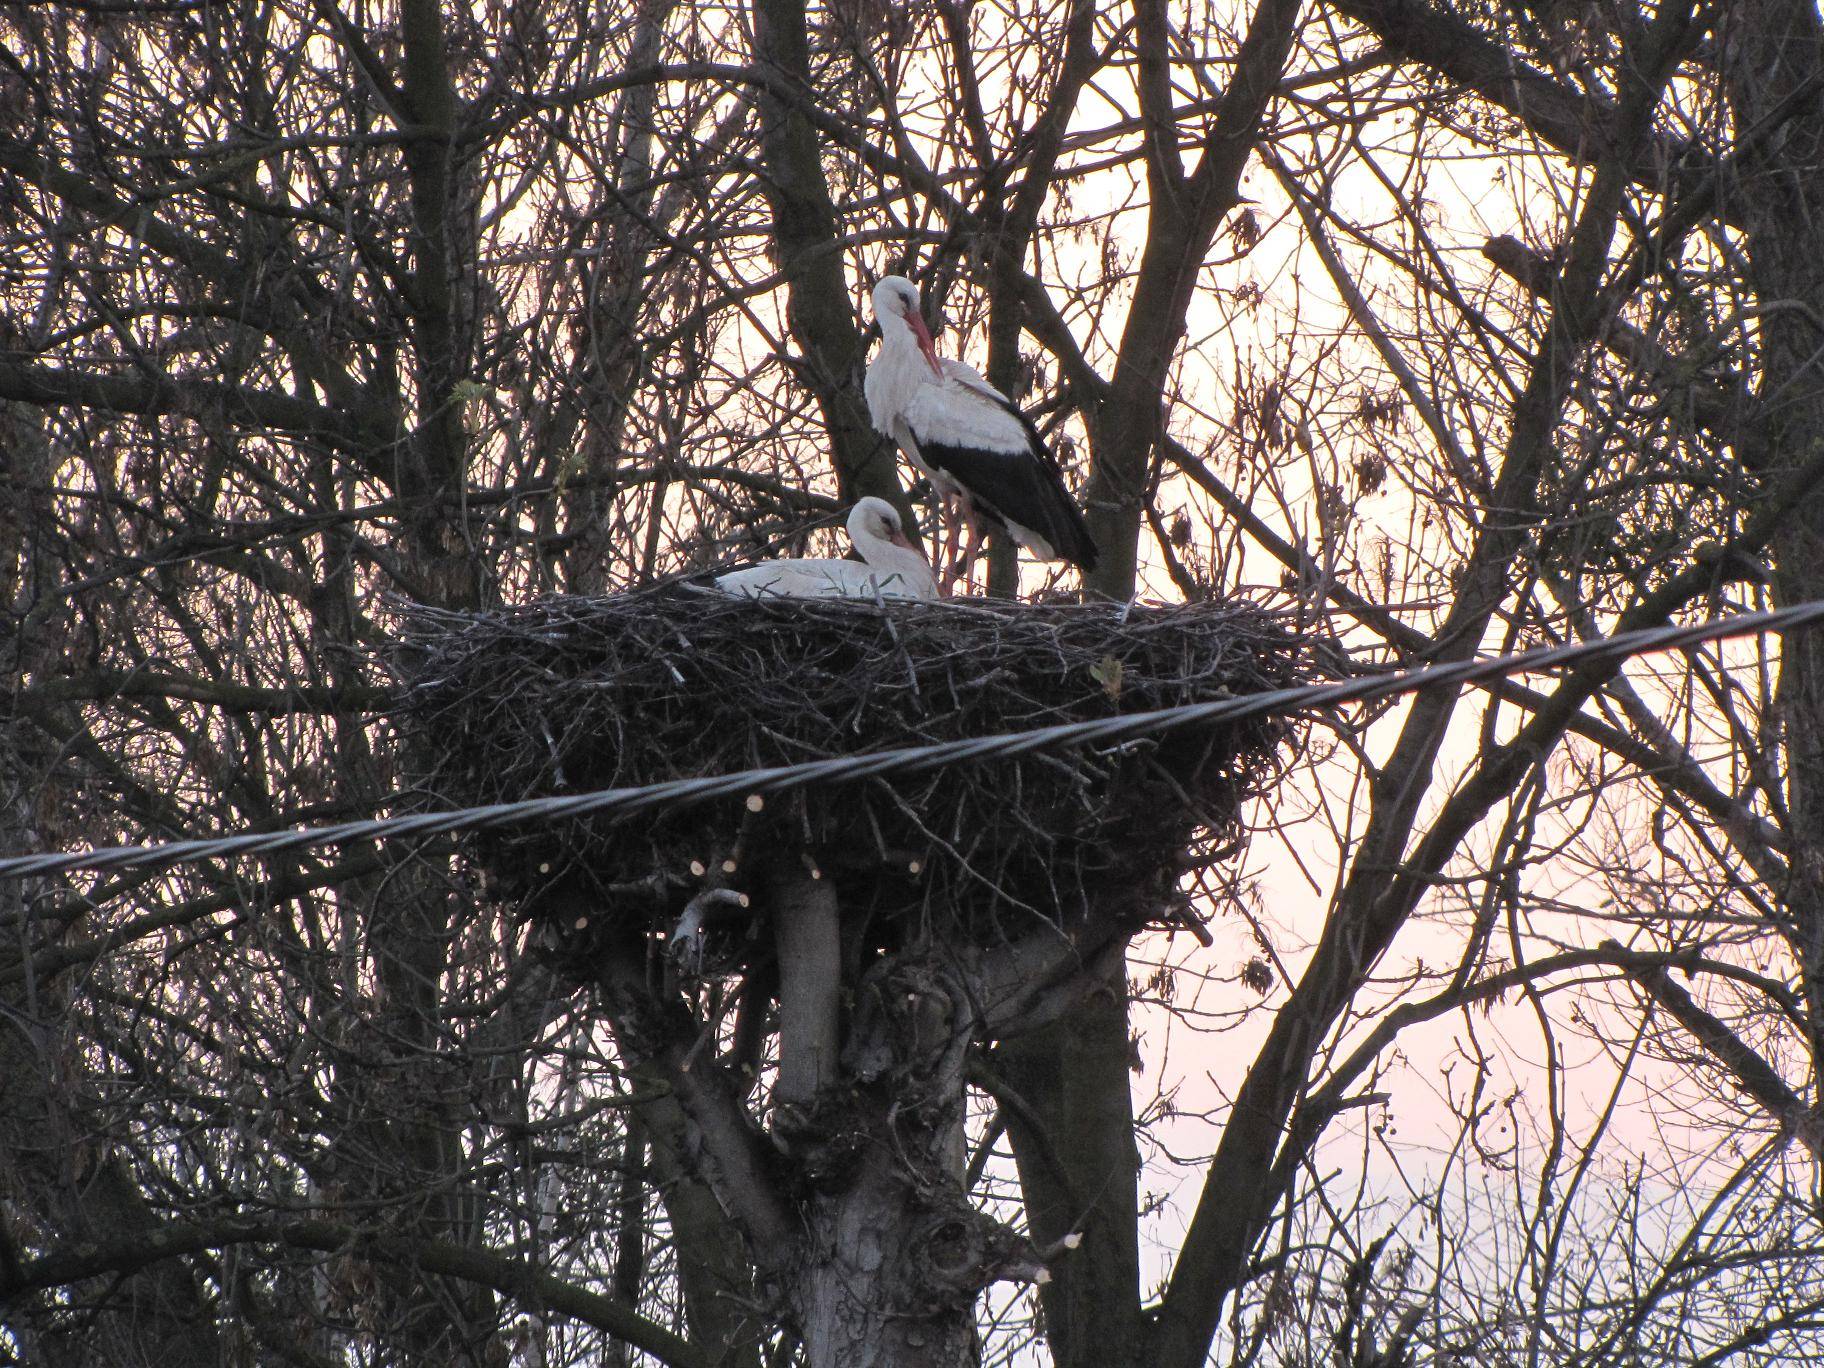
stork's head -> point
(872, 517)
(896, 308)
(877, 532)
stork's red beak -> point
(916, 322)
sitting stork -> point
(981, 454)
(890, 566)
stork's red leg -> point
(953, 517)
(971, 545)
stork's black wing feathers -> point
(1011, 486)
(1026, 487)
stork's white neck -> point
(898, 370)
(896, 335)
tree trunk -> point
(715, 1273)
(886, 1283)
(1772, 63)
(894, 1254)
(809, 933)
(1070, 1118)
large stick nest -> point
(569, 695)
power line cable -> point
(625, 802)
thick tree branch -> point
(724, 1148)
(1494, 780)
(104, 685)
(442, 260)
(51, 386)
(715, 1270)
(1752, 1074)
(1572, 122)
(1153, 79)
(1727, 412)
(809, 933)
(819, 308)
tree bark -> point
(852, 1208)
(894, 1253)
(1070, 1119)
(809, 934)
(1772, 54)
(1183, 214)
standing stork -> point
(982, 455)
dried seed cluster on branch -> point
(569, 695)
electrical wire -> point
(625, 802)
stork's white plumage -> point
(893, 567)
(967, 437)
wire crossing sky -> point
(626, 802)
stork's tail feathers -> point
(1061, 522)
(1070, 535)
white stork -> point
(893, 566)
(978, 450)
